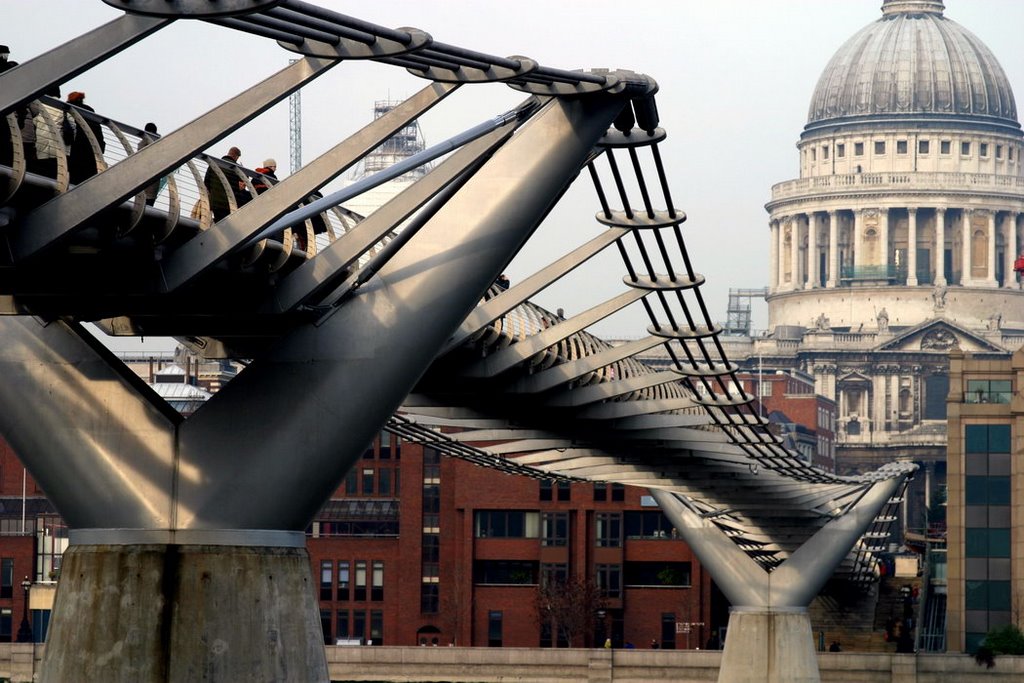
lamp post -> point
(602, 633)
(25, 630)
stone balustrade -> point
(853, 183)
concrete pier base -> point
(184, 613)
(765, 645)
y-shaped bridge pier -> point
(187, 560)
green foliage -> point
(1004, 640)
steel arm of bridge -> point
(205, 250)
(565, 372)
(502, 360)
(31, 79)
(60, 216)
(493, 309)
(316, 278)
(297, 418)
(797, 580)
(581, 396)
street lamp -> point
(25, 630)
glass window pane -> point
(976, 594)
(998, 490)
(976, 543)
(999, 438)
(976, 439)
(998, 542)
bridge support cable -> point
(61, 216)
(239, 228)
(34, 77)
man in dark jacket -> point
(218, 192)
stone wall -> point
(483, 665)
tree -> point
(569, 605)
(1003, 640)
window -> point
(840, 150)
(554, 573)
(554, 529)
(344, 580)
(505, 572)
(494, 629)
(6, 620)
(879, 146)
(936, 388)
(986, 439)
(983, 149)
(814, 154)
(609, 580)
(600, 492)
(341, 619)
(384, 482)
(965, 149)
(824, 152)
(359, 624)
(922, 146)
(7, 577)
(385, 444)
(677, 574)
(945, 147)
(431, 547)
(545, 489)
(608, 532)
(858, 149)
(377, 586)
(326, 580)
(901, 146)
(991, 490)
(367, 482)
(432, 499)
(668, 631)
(325, 625)
(1009, 151)
(999, 151)
(983, 542)
(377, 626)
(360, 589)
(618, 493)
(352, 482)
(564, 491)
(507, 524)
(648, 524)
(988, 391)
(429, 598)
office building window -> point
(988, 391)
(546, 486)
(608, 529)
(554, 529)
(6, 621)
(367, 482)
(326, 579)
(344, 580)
(377, 626)
(359, 624)
(429, 595)
(384, 482)
(352, 482)
(325, 625)
(564, 491)
(618, 493)
(668, 630)
(494, 629)
(6, 577)
(431, 548)
(360, 585)
(507, 524)
(342, 624)
(505, 572)
(600, 492)
(385, 444)
(377, 587)
(554, 573)
(609, 580)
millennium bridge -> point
(186, 561)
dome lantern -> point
(910, 6)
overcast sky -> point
(736, 77)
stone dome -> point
(913, 61)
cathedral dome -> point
(913, 62)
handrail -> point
(887, 181)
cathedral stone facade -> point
(897, 242)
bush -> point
(1004, 640)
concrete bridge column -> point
(769, 638)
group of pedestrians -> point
(48, 133)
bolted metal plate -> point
(467, 74)
(192, 9)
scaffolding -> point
(738, 320)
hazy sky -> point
(736, 77)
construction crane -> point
(294, 129)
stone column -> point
(855, 243)
(782, 253)
(812, 251)
(794, 245)
(773, 256)
(833, 250)
(990, 265)
(965, 246)
(912, 247)
(883, 240)
(940, 246)
(1010, 250)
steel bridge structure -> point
(187, 557)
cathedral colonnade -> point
(952, 245)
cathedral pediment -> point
(939, 335)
